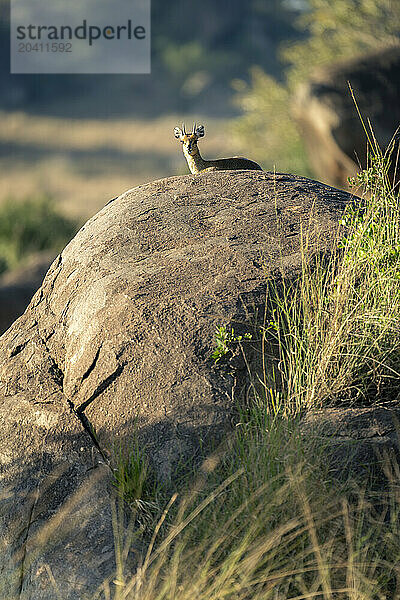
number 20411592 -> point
(45, 47)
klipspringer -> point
(197, 164)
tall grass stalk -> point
(282, 544)
(337, 327)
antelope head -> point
(189, 140)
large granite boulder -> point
(324, 108)
(118, 340)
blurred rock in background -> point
(332, 129)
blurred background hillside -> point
(79, 140)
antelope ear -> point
(177, 132)
(200, 131)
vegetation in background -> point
(30, 226)
(266, 128)
(203, 46)
(335, 30)
(188, 65)
(339, 30)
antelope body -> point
(197, 164)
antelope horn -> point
(194, 127)
(183, 128)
